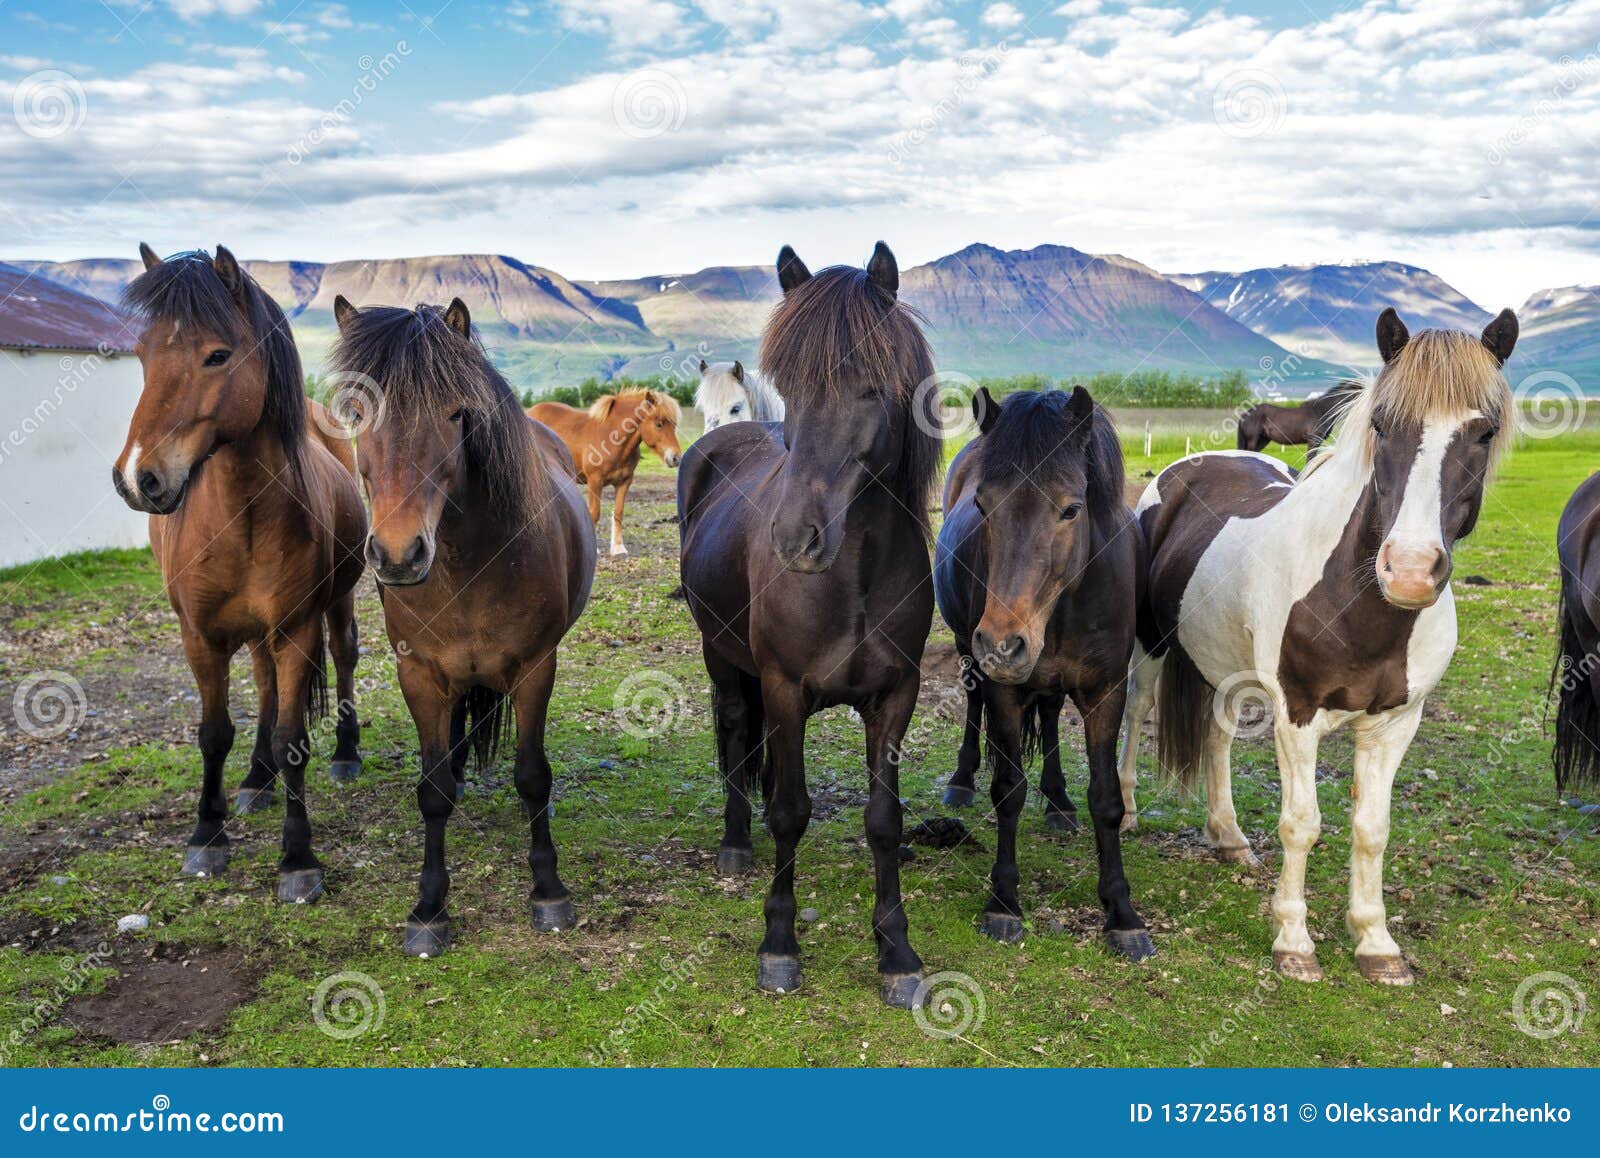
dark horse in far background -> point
(1038, 572)
(1309, 424)
(1576, 679)
(805, 564)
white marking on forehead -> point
(177, 328)
(1418, 523)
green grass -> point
(1487, 882)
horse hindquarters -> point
(1576, 683)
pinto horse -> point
(605, 441)
(1037, 572)
(257, 527)
(1576, 678)
(729, 393)
(805, 564)
(1329, 599)
(484, 562)
(1308, 424)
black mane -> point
(1034, 436)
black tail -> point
(1577, 750)
(489, 726)
(1184, 703)
(317, 685)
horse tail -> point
(489, 726)
(317, 684)
(1183, 707)
(1577, 747)
(1032, 720)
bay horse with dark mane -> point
(1038, 573)
(1308, 424)
(605, 443)
(257, 526)
(805, 565)
(1328, 598)
(484, 561)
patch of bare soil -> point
(166, 995)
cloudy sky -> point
(623, 137)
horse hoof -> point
(1245, 856)
(253, 800)
(956, 796)
(1130, 823)
(1001, 927)
(732, 862)
(554, 916)
(344, 771)
(1385, 970)
(426, 938)
(903, 990)
(1061, 821)
(1296, 966)
(777, 973)
(618, 551)
(300, 887)
(461, 791)
(204, 860)
(1134, 944)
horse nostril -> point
(416, 550)
(149, 484)
(1011, 645)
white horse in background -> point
(730, 393)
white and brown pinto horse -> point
(1329, 599)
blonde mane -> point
(639, 399)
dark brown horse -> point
(1308, 424)
(258, 530)
(1038, 572)
(805, 563)
(1576, 679)
(484, 557)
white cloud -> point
(195, 9)
(1002, 16)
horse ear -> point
(702, 366)
(457, 317)
(1500, 336)
(149, 256)
(227, 267)
(791, 270)
(343, 312)
(985, 410)
(1081, 407)
(883, 270)
(1392, 335)
(738, 371)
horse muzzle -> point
(1006, 660)
(151, 492)
(804, 547)
(407, 568)
(1412, 578)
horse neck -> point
(472, 532)
(1338, 502)
(628, 443)
(255, 470)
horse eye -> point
(738, 408)
(1488, 436)
(1376, 429)
(458, 416)
(1070, 512)
(218, 357)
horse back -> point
(319, 424)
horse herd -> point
(805, 563)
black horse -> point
(1576, 679)
(1038, 572)
(805, 565)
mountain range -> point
(990, 312)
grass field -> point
(1490, 879)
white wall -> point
(63, 419)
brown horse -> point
(1308, 424)
(605, 439)
(1576, 679)
(258, 530)
(805, 564)
(484, 562)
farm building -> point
(68, 386)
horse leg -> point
(1143, 674)
(428, 925)
(299, 871)
(899, 967)
(1380, 746)
(458, 748)
(1059, 811)
(256, 791)
(207, 851)
(343, 644)
(551, 902)
(963, 784)
(1222, 822)
(1008, 789)
(619, 498)
(738, 758)
(788, 814)
(1102, 710)
(595, 486)
(1299, 824)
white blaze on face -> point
(1410, 556)
(130, 469)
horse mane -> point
(1032, 436)
(186, 290)
(422, 365)
(602, 406)
(718, 386)
(839, 331)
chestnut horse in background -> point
(484, 562)
(257, 527)
(605, 440)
